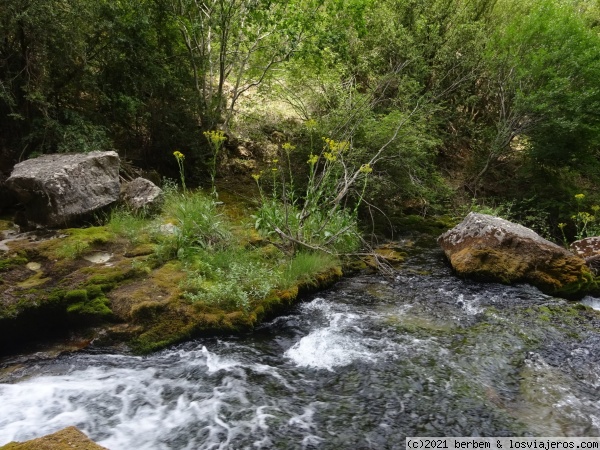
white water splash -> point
(592, 302)
(194, 400)
(339, 343)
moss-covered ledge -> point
(157, 324)
(66, 439)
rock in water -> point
(60, 189)
(493, 249)
(69, 438)
(141, 195)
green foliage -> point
(547, 58)
(230, 279)
(198, 224)
(133, 227)
(72, 249)
(317, 219)
(305, 265)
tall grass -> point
(305, 265)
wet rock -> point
(68, 438)
(493, 249)
(62, 189)
(141, 195)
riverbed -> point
(362, 365)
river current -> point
(361, 366)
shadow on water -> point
(362, 365)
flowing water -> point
(360, 366)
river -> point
(360, 366)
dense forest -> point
(338, 108)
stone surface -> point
(61, 189)
(68, 438)
(142, 195)
(493, 249)
(587, 247)
(589, 250)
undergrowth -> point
(222, 270)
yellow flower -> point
(287, 147)
(216, 137)
(256, 176)
(311, 124)
(275, 161)
(330, 156)
(312, 159)
(595, 208)
(579, 197)
(562, 225)
(366, 168)
(274, 169)
(336, 147)
(178, 155)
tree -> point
(233, 45)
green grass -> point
(232, 278)
(305, 265)
(135, 228)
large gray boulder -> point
(493, 249)
(142, 196)
(60, 189)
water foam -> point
(592, 302)
(339, 343)
(194, 400)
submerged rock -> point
(61, 189)
(493, 249)
(69, 438)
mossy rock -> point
(9, 263)
(66, 439)
(489, 248)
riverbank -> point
(198, 268)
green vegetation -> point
(350, 115)
(439, 105)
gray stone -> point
(141, 195)
(490, 248)
(61, 189)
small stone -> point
(98, 258)
(141, 195)
(34, 266)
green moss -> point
(98, 308)
(9, 263)
(33, 281)
(434, 225)
(77, 242)
(87, 302)
(77, 295)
